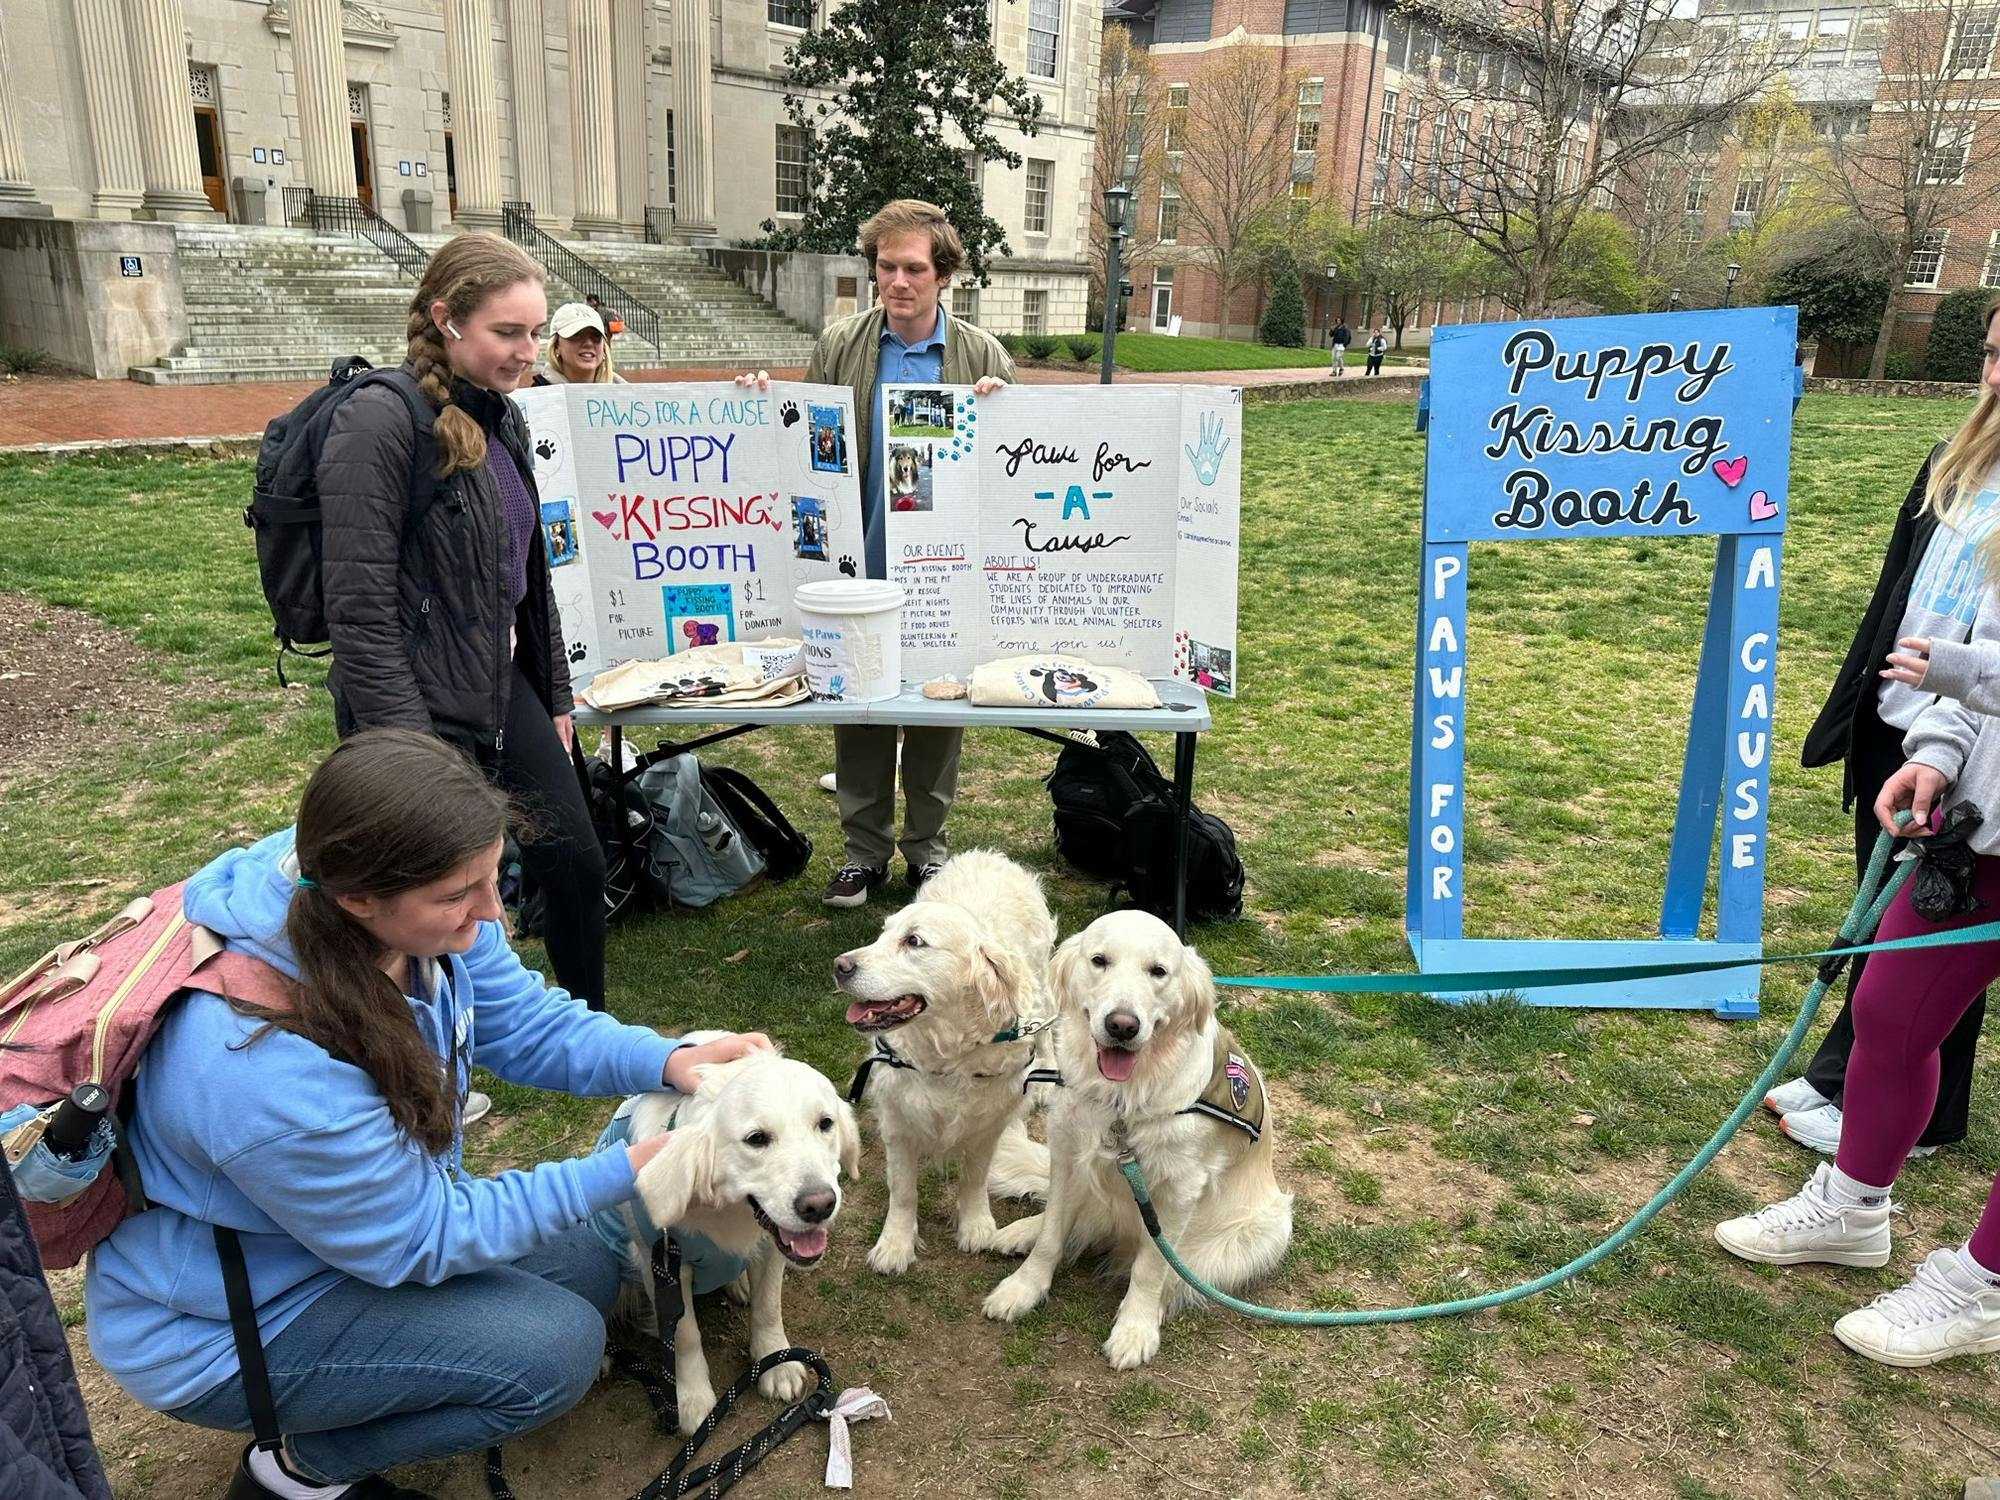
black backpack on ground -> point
(624, 823)
(284, 508)
(786, 851)
(1114, 819)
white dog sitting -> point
(757, 1188)
(1145, 1066)
(947, 992)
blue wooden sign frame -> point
(1673, 424)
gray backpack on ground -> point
(695, 852)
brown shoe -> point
(851, 884)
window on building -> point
(672, 179)
(1830, 38)
(1972, 46)
(1385, 136)
(1302, 200)
(1035, 217)
(1927, 260)
(797, 13)
(1183, 20)
(965, 303)
(791, 170)
(1789, 31)
(1749, 193)
(1692, 233)
(1170, 211)
(1177, 108)
(1944, 155)
(1990, 276)
(1787, 182)
(1700, 181)
(1305, 128)
(1044, 37)
(1034, 312)
(1310, 17)
(1397, 32)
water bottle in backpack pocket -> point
(695, 852)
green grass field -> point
(1162, 353)
(1434, 1150)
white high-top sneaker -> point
(1819, 1129)
(1939, 1313)
(1810, 1226)
(1796, 1095)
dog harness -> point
(712, 1266)
(1234, 1096)
(881, 1052)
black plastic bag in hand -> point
(1941, 884)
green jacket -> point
(847, 353)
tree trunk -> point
(1879, 360)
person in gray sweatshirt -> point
(1908, 1001)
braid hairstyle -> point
(462, 275)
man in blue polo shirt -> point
(908, 336)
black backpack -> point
(786, 851)
(1114, 819)
(284, 504)
(623, 820)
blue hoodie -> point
(298, 1152)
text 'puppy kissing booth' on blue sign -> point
(1659, 425)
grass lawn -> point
(1434, 1150)
(1160, 353)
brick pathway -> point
(76, 411)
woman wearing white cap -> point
(578, 353)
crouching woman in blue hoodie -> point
(407, 1309)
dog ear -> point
(1062, 968)
(1195, 982)
(849, 1132)
(681, 1175)
(998, 978)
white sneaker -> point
(1810, 1226)
(477, 1107)
(1939, 1313)
(1819, 1129)
(828, 784)
(1788, 1098)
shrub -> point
(1899, 366)
(1038, 345)
(1958, 336)
(1082, 347)
(1284, 320)
(23, 361)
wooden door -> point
(364, 177)
(208, 146)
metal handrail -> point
(296, 199)
(659, 226)
(521, 206)
(567, 265)
(351, 215)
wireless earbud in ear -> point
(452, 329)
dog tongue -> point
(1116, 1063)
(858, 1012)
(807, 1243)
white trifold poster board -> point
(687, 515)
(1098, 521)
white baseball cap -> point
(572, 318)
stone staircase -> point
(284, 304)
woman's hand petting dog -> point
(679, 1073)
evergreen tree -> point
(893, 100)
(1957, 348)
(1284, 320)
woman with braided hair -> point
(437, 580)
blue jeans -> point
(370, 1378)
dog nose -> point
(815, 1208)
(844, 966)
(1121, 1026)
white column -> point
(157, 33)
(593, 119)
(694, 124)
(531, 105)
(475, 124)
(17, 198)
(628, 64)
(107, 92)
(319, 63)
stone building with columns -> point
(615, 119)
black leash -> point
(711, 1479)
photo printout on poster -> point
(687, 515)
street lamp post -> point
(1730, 272)
(1332, 275)
(1117, 198)
(1674, 300)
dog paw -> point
(1013, 1299)
(891, 1255)
(785, 1383)
(738, 1291)
(1132, 1345)
(1017, 1238)
(697, 1400)
(978, 1237)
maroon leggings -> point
(1905, 1005)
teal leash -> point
(1863, 916)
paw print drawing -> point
(789, 413)
(1207, 458)
(847, 566)
(545, 449)
(576, 653)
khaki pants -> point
(864, 769)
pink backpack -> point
(83, 1013)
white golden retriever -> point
(954, 975)
(1145, 1065)
(760, 1181)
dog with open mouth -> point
(1144, 1065)
(948, 995)
(773, 1140)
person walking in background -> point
(1378, 345)
(1341, 338)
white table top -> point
(1184, 710)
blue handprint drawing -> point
(1207, 459)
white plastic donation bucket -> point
(853, 633)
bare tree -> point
(1402, 262)
(1234, 160)
(1131, 149)
(1912, 172)
(1521, 116)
